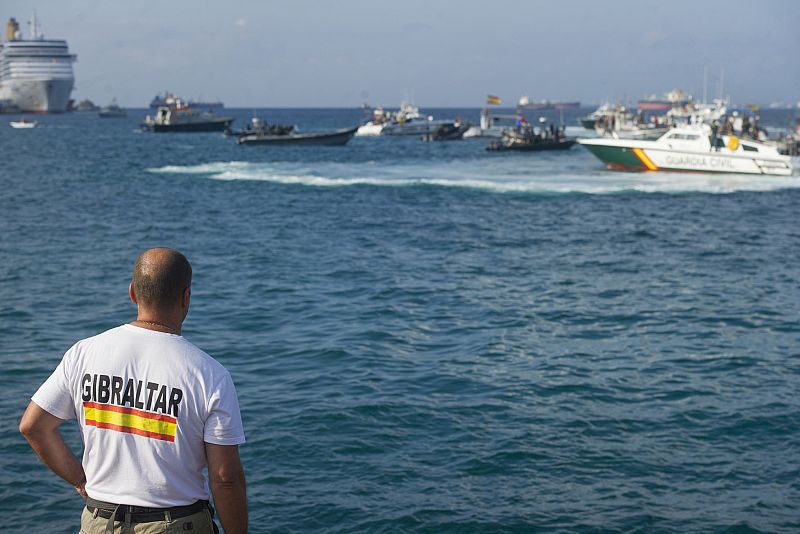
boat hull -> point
(538, 146)
(38, 96)
(207, 126)
(644, 158)
(414, 127)
(335, 138)
(369, 130)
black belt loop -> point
(110, 524)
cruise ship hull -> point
(38, 96)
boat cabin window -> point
(685, 137)
(749, 148)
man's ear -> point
(186, 297)
(132, 293)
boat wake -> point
(495, 178)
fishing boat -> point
(258, 126)
(185, 119)
(112, 111)
(448, 132)
(23, 124)
(590, 121)
(524, 137)
(690, 148)
(329, 138)
(491, 125)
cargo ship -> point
(524, 102)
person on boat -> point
(714, 132)
(154, 412)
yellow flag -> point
(493, 100)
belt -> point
(141, 514)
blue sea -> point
(427, 337)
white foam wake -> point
(498, 177)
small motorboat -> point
(524, 137)
(24, 123)
(329, 138)
(112, 111)
(258, 126)
(447, 132)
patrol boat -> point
(185, 119)
(691, 148)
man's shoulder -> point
(97, 338)
(202, 357)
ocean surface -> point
(427, 337)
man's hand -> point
(81, 489)
(226, 479)
(40, 428)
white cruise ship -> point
(35, 74)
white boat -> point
(35, 74)
(492, 125)
(691, 148)
(406, 121)
(23, 123)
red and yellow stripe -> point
(647, 162)
(130, 421)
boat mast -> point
(705, 84)
(34, 24)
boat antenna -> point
(34, 24)
(705, 83)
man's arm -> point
(226, 479)
(40, 428)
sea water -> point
(427, 337)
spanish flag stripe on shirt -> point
(131, 430)
(130, 420)
(132, 411)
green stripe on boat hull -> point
(614, 156)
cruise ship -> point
(35, 74)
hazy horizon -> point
(438, 54)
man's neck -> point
(157, 324)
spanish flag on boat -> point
(492, 100)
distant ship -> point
(170, 100)
(35, 74)
(524, 102)
(673, 99)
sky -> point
(437, 53)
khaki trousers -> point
(199, 523)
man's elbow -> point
(28, 426)
(229, 477)
(25, 428)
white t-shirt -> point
(146, 401)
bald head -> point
(160, 277)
